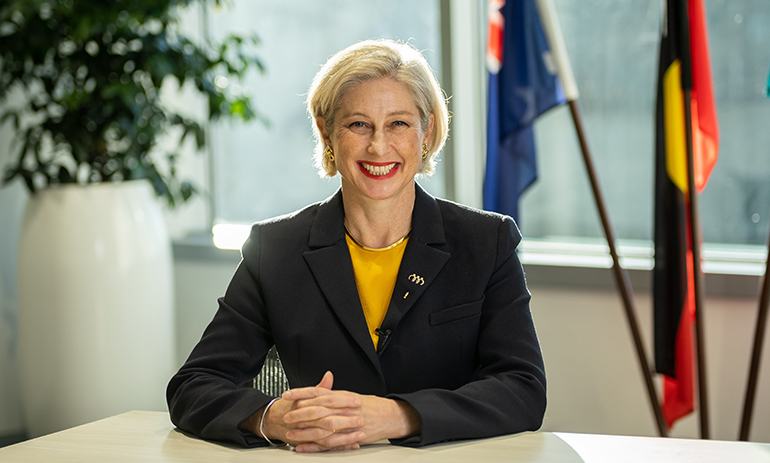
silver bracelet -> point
(262, 420)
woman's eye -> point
(357, 125)
(400, 124)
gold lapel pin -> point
(416, 279)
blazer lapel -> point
(422, 261)
(329, 261)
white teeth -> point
(378, 170)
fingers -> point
(331, 438)
(324, 387)
(332, 441)
(313, 447)
(315, 423)
(318, 407)
(321, 419)
(313, 408)
(305, 393)
(327, 380)
(331, 423)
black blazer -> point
(461, 349)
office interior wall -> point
(12, 200)
(595, 384)
(197, 285)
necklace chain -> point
(386, 248)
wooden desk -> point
(150, 437)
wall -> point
(594, 380)
(12, 198)
(11, 210)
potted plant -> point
(80, 81)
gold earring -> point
(424, 151)
(329, 153)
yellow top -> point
(375, 272)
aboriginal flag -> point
(684, 63)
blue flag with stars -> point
(522, 85)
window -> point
(613, 47)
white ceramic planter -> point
(96, 325)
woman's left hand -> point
(382, 418)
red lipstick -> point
(390, 174)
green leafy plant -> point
(80, 82)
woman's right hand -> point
(326, 425)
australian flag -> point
(522, 85)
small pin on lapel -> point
(416, 279)
(406, 294)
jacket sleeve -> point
(509, 394)
(206, 396)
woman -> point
(396, 315)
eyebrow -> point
(395, 113)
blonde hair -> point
(373, 59)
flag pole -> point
(697, 275)
(556, 41)
(759, 335)
(621, 275)
(692, 194)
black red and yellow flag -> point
(684, 63)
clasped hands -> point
(315, 419)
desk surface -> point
(150, 437)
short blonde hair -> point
(373, 59)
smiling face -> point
(377, 140)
